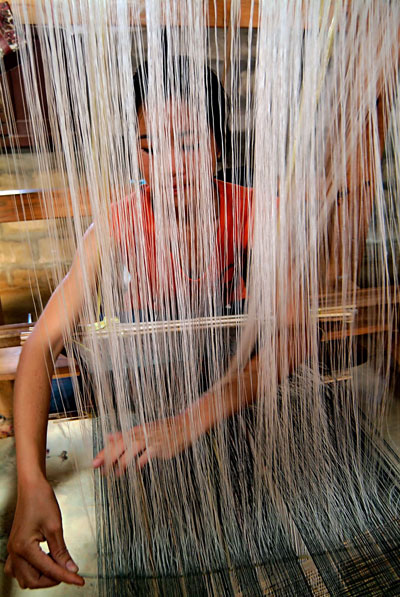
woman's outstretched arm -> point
(37, 516)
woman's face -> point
(181, 150)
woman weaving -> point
(37, 515)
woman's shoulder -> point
(236, 178)
(234, 194)
(136, 199)
(127, 211)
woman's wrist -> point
(200, 417)
(30, 477)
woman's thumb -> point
(59, 551)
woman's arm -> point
(166, 438)
(37, 517)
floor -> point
(68, 464)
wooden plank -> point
(10, 334)
(218, 12)
(363, 297)
(36, 204)
(354, 331)
(9, 358)
(365, 304)
(16, 6)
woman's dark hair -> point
(176, 77)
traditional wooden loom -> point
(345, 322)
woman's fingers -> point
(120, 450)
(52, 570)
(58, 549)
(161, 439)
(155, 440)
(8, 568)
(100, 458)
(146, 457)
(130, 454)
(109, 455)
(28, 576)
(112, 453)
(35, 569)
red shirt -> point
(134, 230)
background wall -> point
(27, 260)
(28, 256)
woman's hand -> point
(37, 519)
(162, 439)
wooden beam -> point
(35, 204)
(17, 5)
(9, 358)
(364, 304)
(218, 11)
